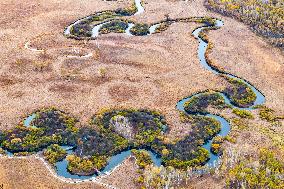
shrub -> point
(162, 27)
(85, 166)
(54, 153)
(2, 151)
(81, 29)
(143, 158)
(243, 113)
(140, 29)
(116, 26)
(239, 93)
(103, 16)
(216, 145)
(241, 124)
(268, 114)
(127, 11)
(199, 103)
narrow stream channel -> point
(225, 126)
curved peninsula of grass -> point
(140, 127)
(54, 153)
(140, 29)
(199, 103)
(239, 93)
(51, 127)
(188, 152)
(116, 26)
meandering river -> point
(114, 161)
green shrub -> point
(103, 16)
(116, 26)
(129, 11)
(85, 166)
(240, 124)
(199, 103)
(54, 153)
(268, 114)
(140, 29)
(162, 27)
(2, 151)
(143, 158)
(82, 29)
(216, 147)
(243, 113)
(239, 93)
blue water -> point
(9, 154)
(153, 28)
(29, 119)
(127, 31)
(225, 126)
(95, 30)
(260, 99)
(61, 167)
(140, 8)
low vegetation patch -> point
(143, 158)
(216, 147)
(127, 11)
(188, 152)
(240, 93)
(2, 151)
(243, 113)
(85, 166)
(54, 153)
(240, 124)
(51, 127)
(268, 114)
(140, 29)
(102, 16)
(162, 27)
(199, 103)
(81, 29)
(116, 26)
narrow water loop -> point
(225, 126)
